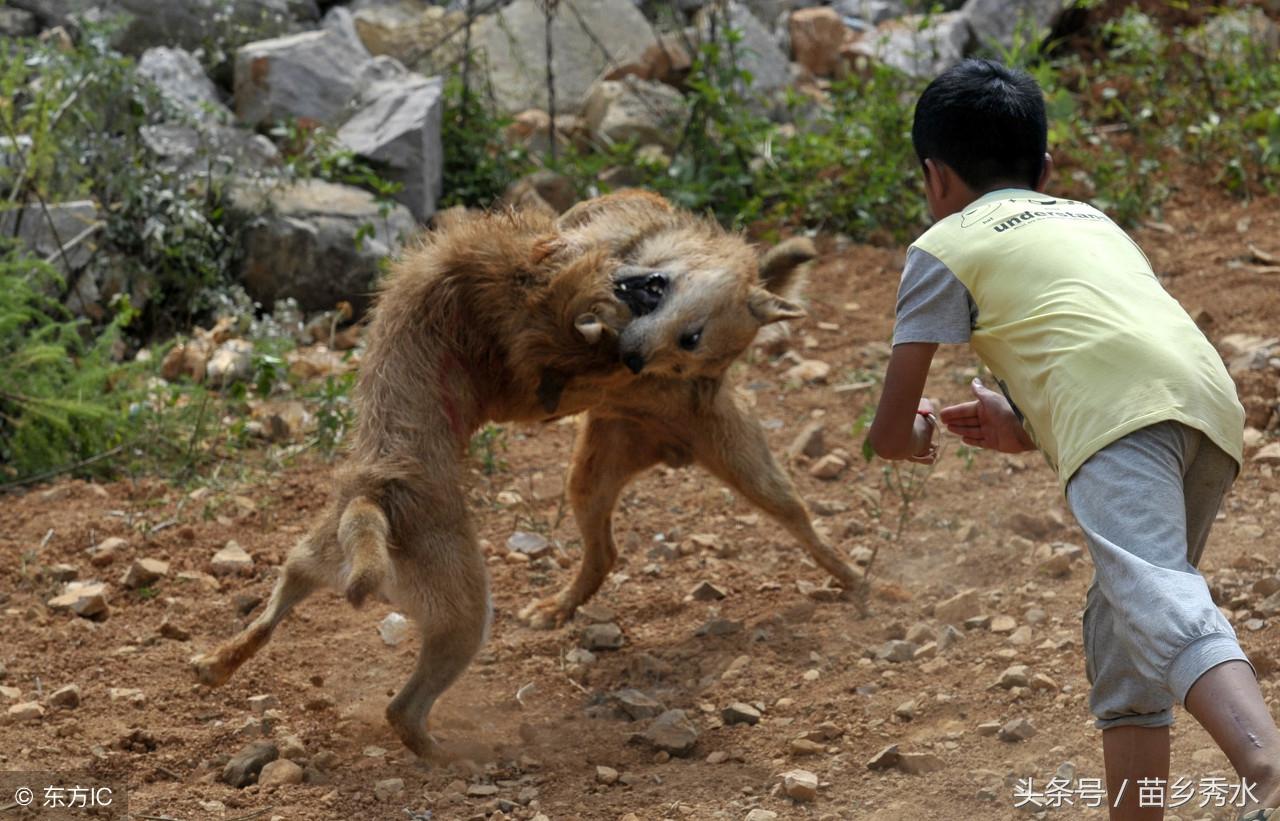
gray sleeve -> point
(933, 305)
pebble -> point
(919, 763)
(803, 746)
(740, 713)
(144, 573)
(130, 694)
(244, 766)
(896, 650)
(279, 772)
(1021, 636)
(606, 775)
(64, 573)
(672, 732)
(988, 728)
(636, 704)
(169, 630)
(68, 696)
(925, 651)
(809, 442)
(1003, 624)
(602, 637)
(1056, 566)
(231, 560)
(906, 710)
(828, 467)
(85, 599)
(593, 612)
(761, 815)
(1017, 675)
(291, 747)
(958, 608)
(393, 629)
(390, 788)
(977, 622)
(11, 693)
(800, 785)
(808, 370)
(1019, 729)
(919, 633)
(261, 703)
(104, 553)
(706, 591)
(481, 790)
(1042, 682)
(26, 711)
(533, 545)
(948, 635)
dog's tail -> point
(362, 536)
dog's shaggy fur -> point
(523, 317)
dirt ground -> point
(985, 524)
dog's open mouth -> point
(641, 293)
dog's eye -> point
(690, 339)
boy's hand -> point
(987, 422)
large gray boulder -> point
(397, 126)
(601, 34)
(630, 109)
(65, 237)
(428, 39)
(757, 52)
(312, 75)
(17, 23)
(217, 150)
(182, 83)
(998, 22)
(315, 241)
(917, 45)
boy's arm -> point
(898, 431)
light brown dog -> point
(624, 308)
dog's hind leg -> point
(732, 445)
(448, 597)
(362, 535)
(298, 578)
(607, 454)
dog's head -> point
(698, 296)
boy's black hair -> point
(984, 120)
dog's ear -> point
(781, 268)
(590, 326)
(768, 307)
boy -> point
(1107, 376)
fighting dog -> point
(624, 308)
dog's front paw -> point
(210, 670)
(546, 614)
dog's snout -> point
(633, 361)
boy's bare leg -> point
(1131, 754)
(1227, 702)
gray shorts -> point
(1146, 503)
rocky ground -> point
(967, 665)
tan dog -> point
(523, 317)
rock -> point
(1042, 682)
(1019, 729)
(312, 75)
(75, 224)
(388, 789)
(919, 633)
(1266, 586)
(85, 599)
(886, 759)
(26, 711)
(757, 52)
(759, 814)
(906, 710)
(672, 733)
(1237, 36)
(482, 790)
(740, 713)
(998, 23)
(182, 84)
(948, 635)
(132, 695)
(426, 38)
(533, 545)
(803, 747)
(261, 703)
(1056, 566)
(220, 151)
(279, 772)
(61, 572)
(977, 622)
(816, 37)
(232, 362)
(606, 775)
(989, 728)
(397, 126)
(602, 637)
(17, 23)
(896, 650)
(917, 45)
(10, 693)
(1270, 606)
(800, 785)
(808, 370)
(919, 763)
(1268, 454)
(706, 591)
(829, 467)
(393, 629)
(810, 442)
(144, 573)
(637, 704)
(104, 553)
(301, 242)
(1003, 624)
(1016, 675)
(244, 766)
(68, 697)
(601, 33)
(638, 111)
(958, 608)
(231, 559)
(869, 11)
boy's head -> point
(986, 123)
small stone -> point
(1056, 566)
(26, 711)
(1268, 454)
(279, 772)
(533, 545)
(919, 763)
(977, 622)
(759, 814)
(1021, 636)
(740, 713)
(636, 704)
(808, 370)
(144, 573)
(1266, 586)
(706, 591)
(244, 766)
(61, 573)
(718, 627)
(1003, 624)
(803, 747)
(594, 612)
(68, 697)
(828, 467)
(393, 629)
(800, 785)
(174, 632)
(1019, 729)
(906, 710)
(896, 650)
(606, 775)
(958, 608)
(948, 635)
(1042, 682)
(130, 694)
(602, 637)
(87, 600)
(231, 560)
(482, 790)
(389, 788)
(1035, 615)
(291, 747)
(104, 553)
(261, 703)
(988, 728)
(672, 733)
(808, 442)
(1017, 675)
(1254, 625)
(925, 651)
